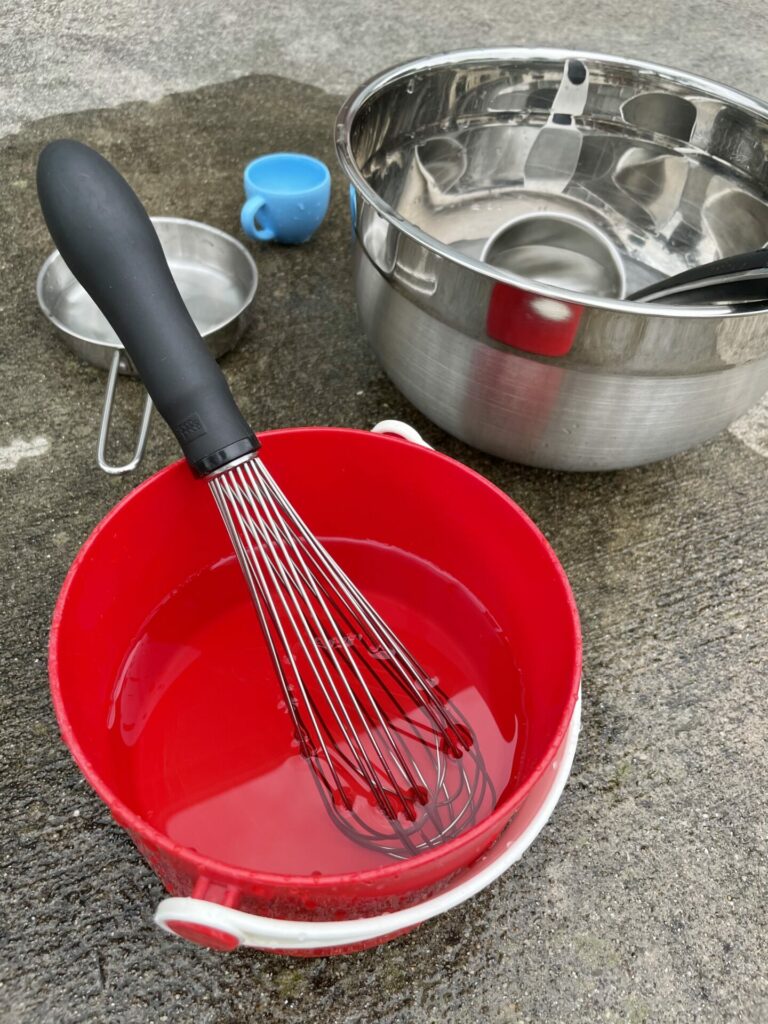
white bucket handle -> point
(403, 430)
(273, 933)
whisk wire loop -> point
(396, 764)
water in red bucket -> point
(207, 742)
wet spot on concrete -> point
(653, 858)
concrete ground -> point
(644, 899)
(80, 54)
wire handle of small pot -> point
(225, 928)
(106, 419)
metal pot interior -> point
(672, 168)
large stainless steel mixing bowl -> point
(674, 170)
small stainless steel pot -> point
(672, 168)
(558, 249)
(217, 278)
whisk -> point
(397, 765)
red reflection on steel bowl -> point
(532, 323)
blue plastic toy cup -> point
(287, 197)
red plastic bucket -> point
(148, 665)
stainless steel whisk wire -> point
(296, 586)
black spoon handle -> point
(108, 242)
(712, 275)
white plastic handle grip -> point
(272, 933)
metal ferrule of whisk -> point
(397, 766)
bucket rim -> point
(214, 869)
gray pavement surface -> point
(59, 55)
(644, 899)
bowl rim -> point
(66, 329)
(211, 867)
(368, 90)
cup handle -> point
(248, 220)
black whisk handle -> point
(109, 243)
